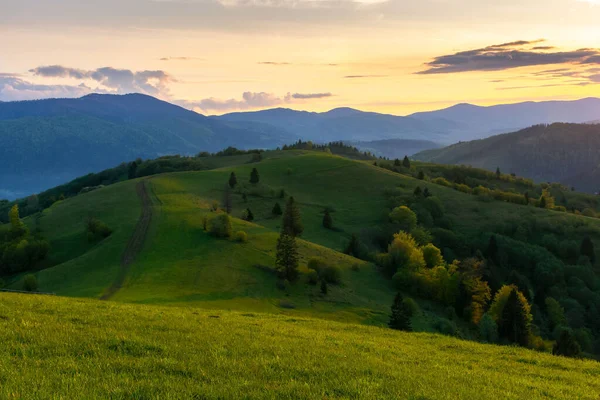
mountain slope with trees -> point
(563, 153)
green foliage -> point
(30, 283)
(513, 315)
(312, 276)
(331, 274)
(96, 229)
(432, 256)
(404, 217)
(241, 236)
(404, 252)
(566, 345)
(400, 317)
(406, 162)
(232, 180)
(488, 329)
(277, 210)
(292, 221)
(324, 288)
(219, 225)
(247, 215)
(254, 176)
(587, 249)
(286, 259)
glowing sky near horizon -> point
(218, 56)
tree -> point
(400, 318)
(353, 247)
(587, 249)
(556, 314)
(227, 199)
(132, 172)
(397, 163)
(30, 283)
(515, 319)
(232, 180)
(292, 222)
(418, 192)
(286, 259)
(327, 220)
(17, 228)
(254, 177)
(220, 225)
(426, 193)
(421, 175)
(404, 217)
(542, 202)
(406, 162)
(277, 210)
(432, 255)
(492, 249)
(566, 345)
(324, 287)
(488, 329)
(248, 216)
(498, 173)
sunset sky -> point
(217, 56)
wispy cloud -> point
(14, 88)
(181, 59)
(364, 76)
(507, 56)
(302, 96)
(249, 101)
(273, 63)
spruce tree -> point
(587, 249)
(397, 163)
(292, 222)
(400, 318)
(566, 345)
(286, 259)
(406, 162)
(232, 180)
(514, 324)
(249, 215)
(426, 193)
(421, 175)
(254, 177)
(227, 199)
(418, 192)
(327, 220)
(132, 173)
(353, 247)
(277, 210)
(498, 173)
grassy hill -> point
(84, 349)
(563, 153)
(180, 264)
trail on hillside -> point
(136, 242)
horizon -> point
(297, 109)
(220, 56)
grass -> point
(55, 347)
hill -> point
(395, 148)
(348, 124)
(480, 122)
(563, 153)
(61, 346)
(49, 142)
(174, 260)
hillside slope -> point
(48, 142)
(564, 153)
(61, 346)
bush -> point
(220, 225)
(446, 327)
(332, 274)
(30, 283)
(404, 217)
(241, 236)
(432, 255)
(312, 276)
(411, 307)
(97, 229)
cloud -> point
(250, 100)
(543, 48)
(298, 4)
(273, 63)
(363, 76)
(507, 56)
(181, 59)
(119, 81)
(13, 88)
(310, 95)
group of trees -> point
(20, 250)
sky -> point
(219, 56)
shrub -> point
(241, 236)
(220, 225)
(404, 217)
(277, 211)
(317, 264)
(312, 276)
(411, 307)
(441, 181)
(97, 229)
(432, 255)
(30, 283)
(332, 274)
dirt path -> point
(136, 242)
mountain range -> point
(45, 143)
(564, 153)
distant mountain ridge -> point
(565, 153)
(48, 142)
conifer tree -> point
(232, 180)
(292, 222)
(542, 202)
(587, 249)
(249, 215)
(131, 174)
(426, 193)
(406, 162)
(286, 259)
(397, 163)
(353, 248)
(566, 345)
(277, 210)
(400, 318)
(227, 199)
(514, 323)
(327, 220)
(418, 192)
(254, 177)
(498, 173)
(421, 175)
